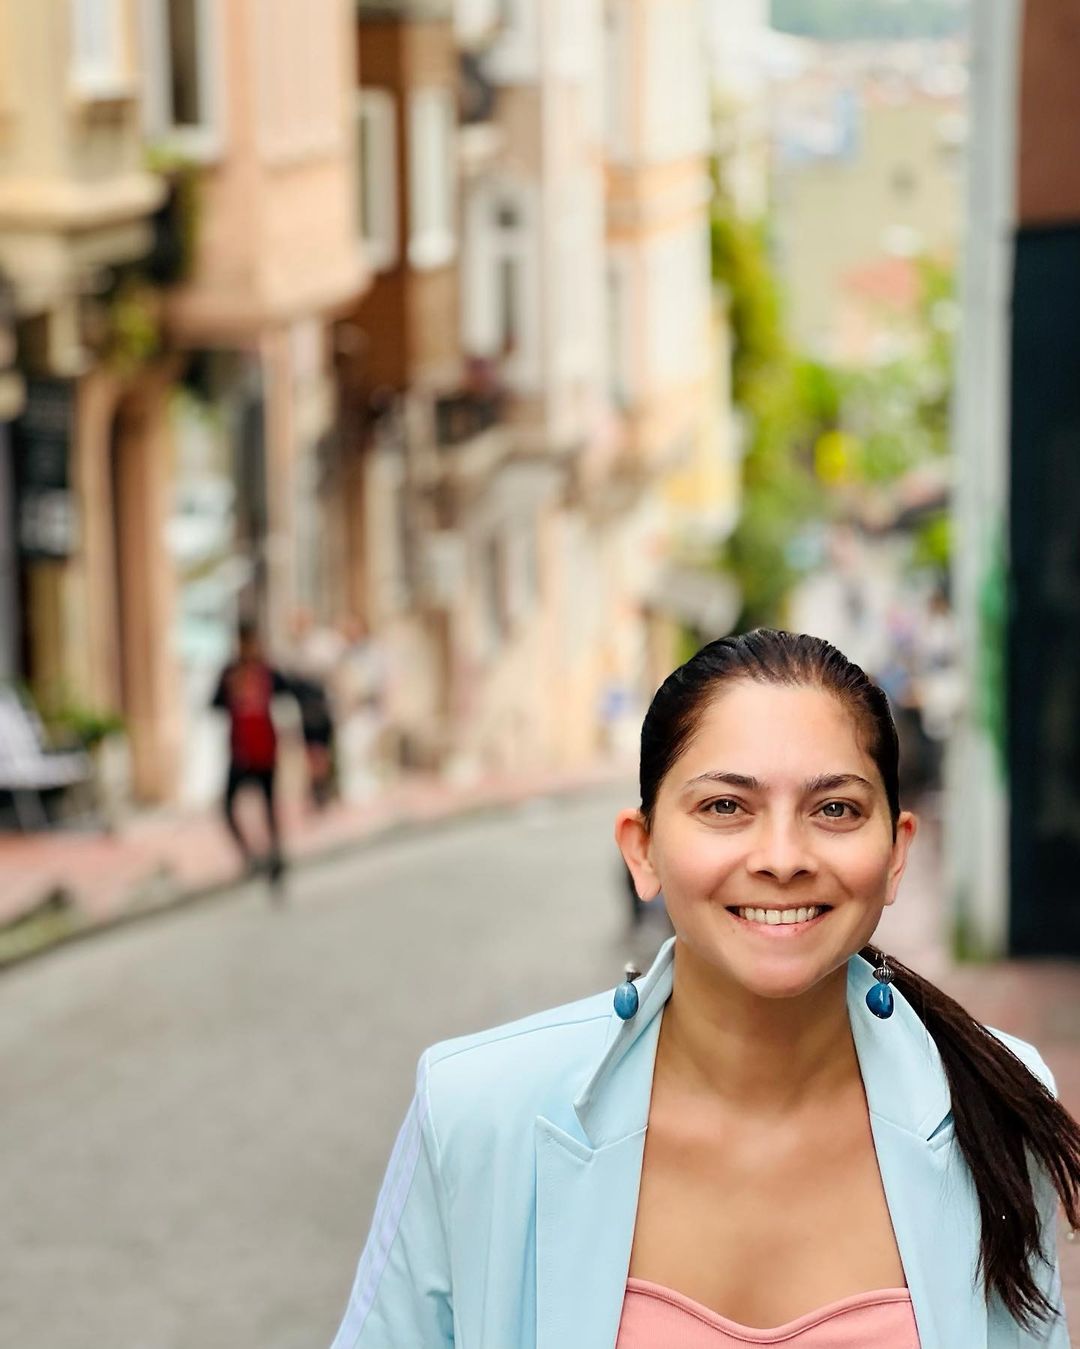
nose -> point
(780, 851)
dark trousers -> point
(263, 778)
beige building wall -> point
(897, 193)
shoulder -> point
(505, 1076)
(1028, 1055)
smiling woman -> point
(756, 1142)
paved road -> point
(197, 1111)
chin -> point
(778, 977)
(780, 982)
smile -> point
(798, 917)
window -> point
(97, 49)
(499, 291)
(432, 175)
(377, 143)
(181, 105)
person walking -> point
(246, 690)
(778, 1135)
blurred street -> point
(198, 1110)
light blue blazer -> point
(507, 1213)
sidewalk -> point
(64, 884)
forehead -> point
(777, 733)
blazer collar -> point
(587, 1185)
(901, 1068)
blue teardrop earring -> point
(626, 995)
(880, 998)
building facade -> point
(256, 102)
(178, 230)
(542, 443)
(1015, 835)
(76, 210)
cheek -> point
(864, 871)
(692, 860)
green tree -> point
(784, 404)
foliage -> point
(86, 726)
(899, 411)
(782, 401)
(837, 20)
(820, 437)
(133, 330)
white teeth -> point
(773, 917)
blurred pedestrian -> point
(610, 1172)
(314, 654)
(246, 690)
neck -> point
(769, 1055)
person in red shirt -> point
(246, 690)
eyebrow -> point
(824, 782)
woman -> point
(772, 1137)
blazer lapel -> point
(932, 1202)
(587, 1185)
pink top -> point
(655, 1317)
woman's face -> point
(774, 812)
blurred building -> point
(392, 311)
(85, 485)
(868, 153)
(256, 104)
(174, 449)
(1016, 772)
(531, 375)
(740, 42)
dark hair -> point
(1003, 1115)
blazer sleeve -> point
(401, 1297)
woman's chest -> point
(763, 1224)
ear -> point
(633, 839)
(906, 828)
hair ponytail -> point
(1007, 1122)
